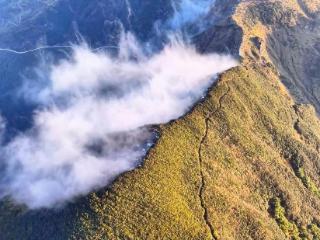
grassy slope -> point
(244, 163)
(249, 158)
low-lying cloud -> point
(93, 124)
(95, 112)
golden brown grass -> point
(246, 164)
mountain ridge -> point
(277, 204)
(242, 164)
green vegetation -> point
(315, 231)
(308, 182)
(289, 228)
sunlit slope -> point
(245, 163)
(259, 148)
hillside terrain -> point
(244, 163)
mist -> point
(95, 116)
(187, 11)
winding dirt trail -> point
(200, 158)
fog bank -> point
(94, 113)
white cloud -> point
(84, 142)
(95, 112)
